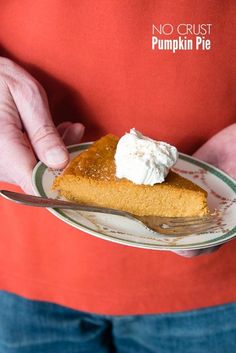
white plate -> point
(221, 195)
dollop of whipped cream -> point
(142, 160)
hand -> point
(27, 129)
(219, 151)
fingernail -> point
(81, 126)
(80, 129)
(78, 126)
(56, 156)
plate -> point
(221, 195)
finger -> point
(17, 159)
(73, 134)
(61, 128)
(194, 253)
(20, 171)
(32, 105)
(187, 253)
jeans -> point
(40, 327)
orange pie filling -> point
(90, 178)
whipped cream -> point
(142, 160)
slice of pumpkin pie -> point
(130, 176)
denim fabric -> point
(38, 327)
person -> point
(61, 289)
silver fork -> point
(173, 226)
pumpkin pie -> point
(90, 179)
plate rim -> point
(40, 168)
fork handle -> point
(38, 201)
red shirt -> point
(96, 63)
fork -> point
(172, 226)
